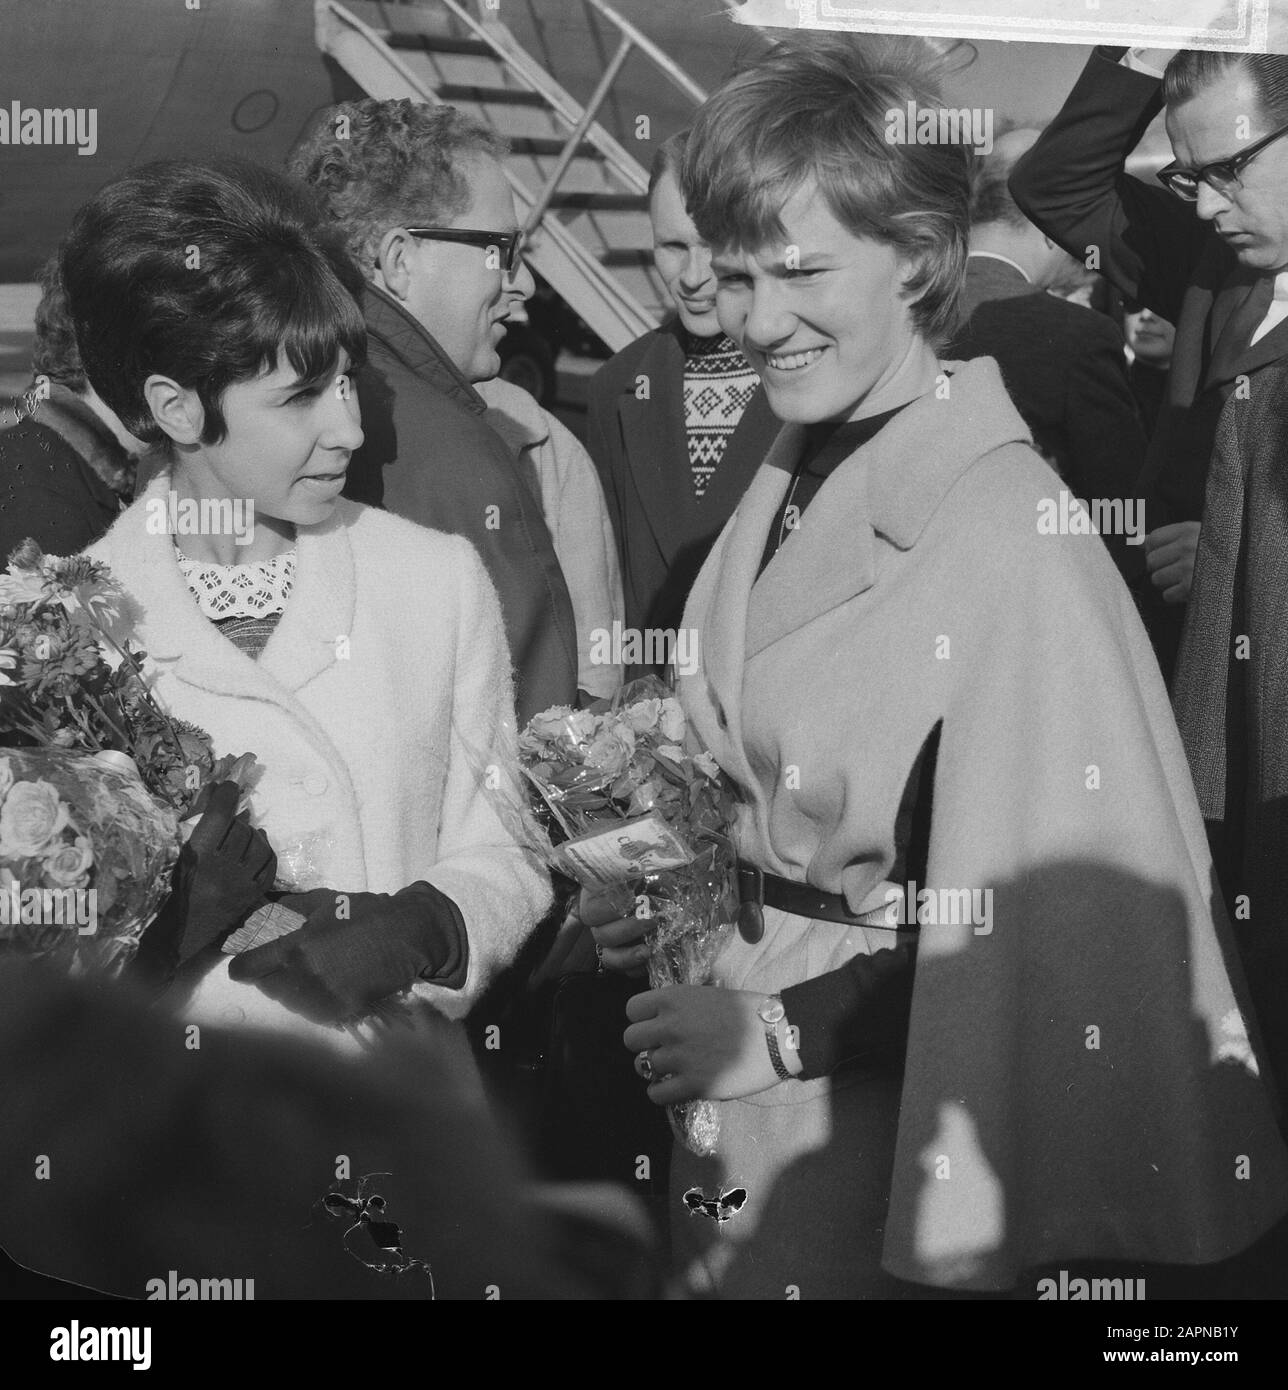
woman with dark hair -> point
(360, 657)
(977, 1016)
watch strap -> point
(771, 1041)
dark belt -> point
(758, 890)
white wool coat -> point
(1078, 1080)
(382, 698)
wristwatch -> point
(772, 1014)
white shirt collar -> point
(995, 256)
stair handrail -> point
(646, 45)
(520, 64)
(578, 134)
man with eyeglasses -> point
(1207, 250)
(428, 214)
(1210, 254)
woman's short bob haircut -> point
(204, 273)
(823, 110)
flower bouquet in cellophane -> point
(96, 780)
(621, 796)
(85, 857)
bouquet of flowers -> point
(620, 796)
(99, 775)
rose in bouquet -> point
(93, 760)
(620, 795)
(85, 858)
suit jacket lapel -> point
(652, 434)
(748, 445)
(1265, 350)
(1239, 309)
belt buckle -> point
(751, 895)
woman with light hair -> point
(981, 1014)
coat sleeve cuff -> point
(446, 942)
(858, 1013)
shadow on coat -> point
(1100, 1146)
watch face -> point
(772, 1010)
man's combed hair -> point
(667, 159)
(1191, 71)
(990, 198)
(203, 272)
(821, 111)
(381, 164)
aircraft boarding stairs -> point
(581, 192)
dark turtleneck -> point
(827, 445)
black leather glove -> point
(224, 872)
(356, 949)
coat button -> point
(315, 784)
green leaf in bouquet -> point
(109, 887)
(583, 799)
(550, 802)
(676, 771)
(703, 804)
(626, 786)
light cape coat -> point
(1078, 1081)
(375, 710)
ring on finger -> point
(643, 1066)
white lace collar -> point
(254, 590)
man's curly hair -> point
(381, 164)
